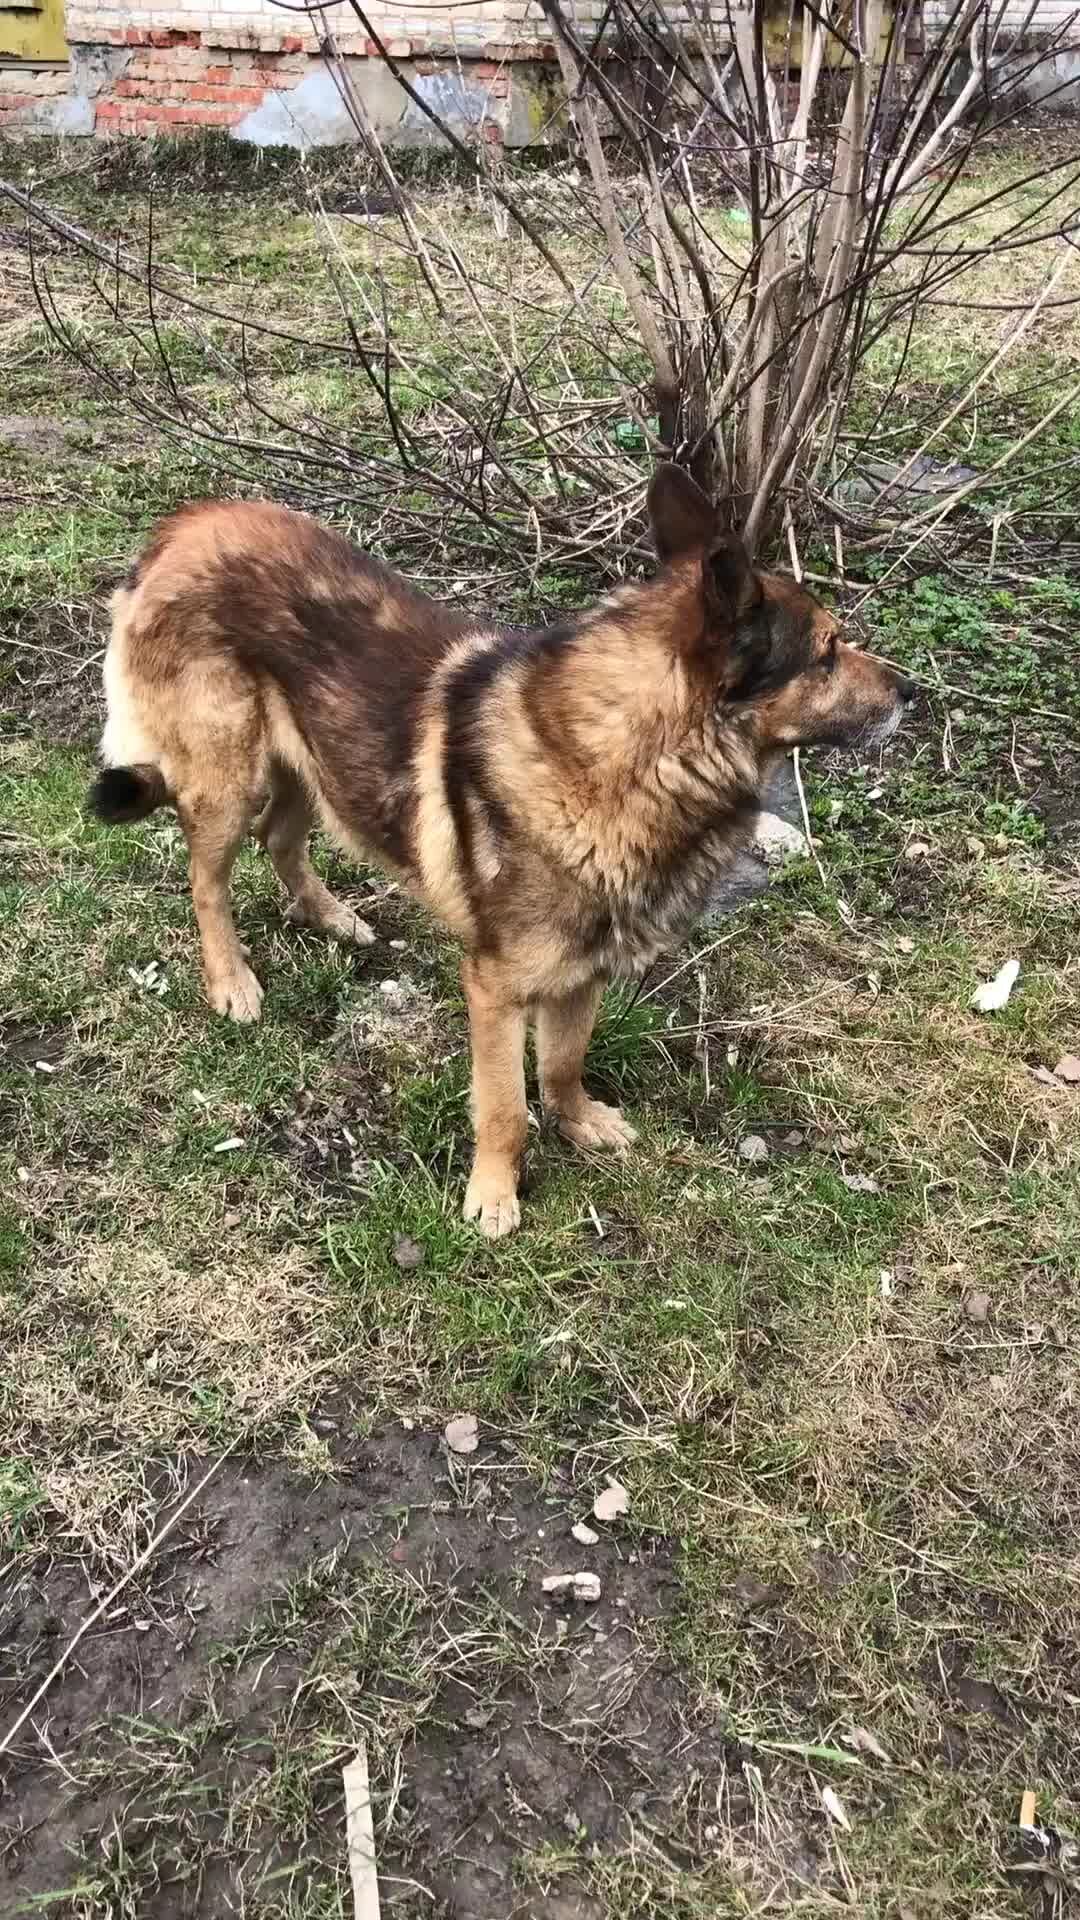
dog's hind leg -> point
(283, 828)
(216, 826)
(563, 1028)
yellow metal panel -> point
(34, 33)
(783, 34)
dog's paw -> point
(237, 994)
(491, 1200)
(356, 930)
(336, 920)
(595, 1125)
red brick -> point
(111, 110)
(231, 96)
(220, 76)
(291, 43)
(203, 116)
(136, 38)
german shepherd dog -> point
(563, 798)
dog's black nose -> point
(908, 691)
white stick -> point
(360, 1837)
(804, 809)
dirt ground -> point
(589, 1729)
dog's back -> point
(248, 634)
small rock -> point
(585, 1535)
(860, 1183)
(905, 945)
(611, 1502)
(777, 841)
(461, 1434)
(753, 1149)
(408, 1254)
(1068, 1069)
(977, 1307)
(576, 1586)
(916, 850)
(1046, 1078)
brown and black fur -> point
(562, 798)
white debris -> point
(776, 841)
(611, 1502)
(461, 1434)
(581, 1586)
(994, 994)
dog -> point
(563, 798)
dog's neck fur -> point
(627, 762)
(634, 688)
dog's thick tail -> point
(122, 794)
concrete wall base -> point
(274, 93)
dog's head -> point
(770, 649)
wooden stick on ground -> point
(360, 1837)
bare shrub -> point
(744, 265)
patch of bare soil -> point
(574, 1729)
(50, 675)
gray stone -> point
(924, 484)
(749, 874)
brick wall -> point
(259, 23)
(183, 78)
(247, 66)
(1046, 18)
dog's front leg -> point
(563, 1028)
(497, 1031)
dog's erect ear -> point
(731, 585)
(682, 519)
